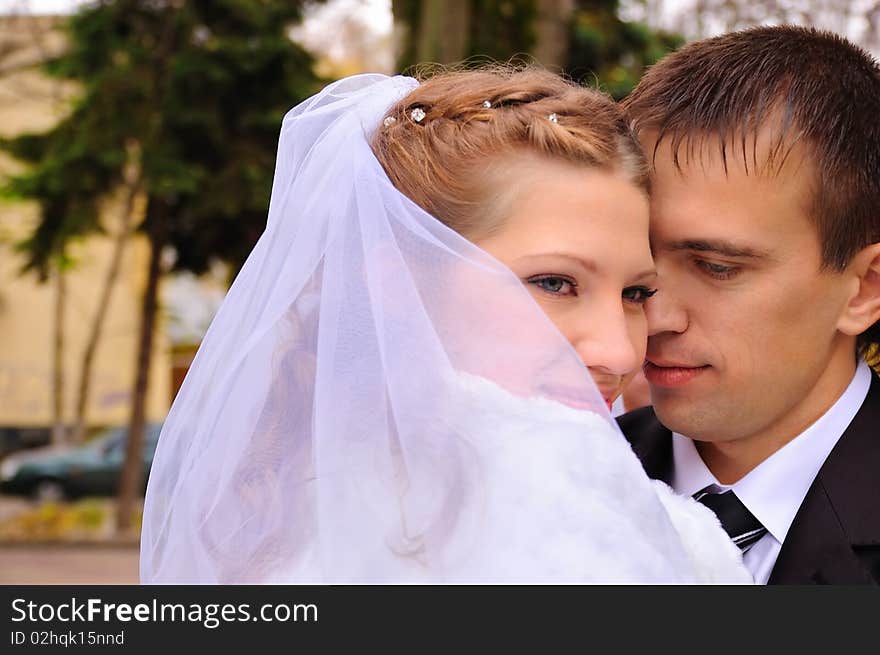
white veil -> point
(380, 401)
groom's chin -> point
(683, 412)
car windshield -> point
(107, 440)
(114, 439)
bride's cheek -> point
(637, 330)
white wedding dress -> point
(562, 499)
(582, 481)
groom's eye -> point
(715, 270)
(554, 284)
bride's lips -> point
(671, 374)
(608, 396)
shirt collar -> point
(774, 490)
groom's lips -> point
(671, 374)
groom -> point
(766, 234)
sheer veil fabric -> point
(379, 401)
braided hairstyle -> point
(446, 144)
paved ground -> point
(63, 565)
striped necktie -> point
(742, 526)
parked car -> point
(13, 438)
(58, 472)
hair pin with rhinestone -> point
(487, 104)
(389, 120)
(553, 118)
(417, 114)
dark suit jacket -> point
(835, 535)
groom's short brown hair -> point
(818, 88)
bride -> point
(410, 379)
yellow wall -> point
(31, 102)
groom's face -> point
(743, 329)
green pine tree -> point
(198, 90)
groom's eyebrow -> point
(719, 247)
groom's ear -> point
(863, 309)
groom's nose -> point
(665, 313)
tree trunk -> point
(131, 480)
(132, 189)
(58, 431)
(402, 30)
(444, 31)
(552, 32)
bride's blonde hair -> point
(439, 143)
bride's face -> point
(578, 239)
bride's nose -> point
(603, 342)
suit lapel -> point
(656, 455)
(835, 536)
(817, 548)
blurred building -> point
(31, 102)
(189, 303)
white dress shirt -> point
(774, 490)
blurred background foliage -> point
(586, 40)
(87, 520)
(191, 95)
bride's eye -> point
(638, 295)
(554, 284)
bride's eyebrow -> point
(589, 265)
(586, 264)
(645, 276)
